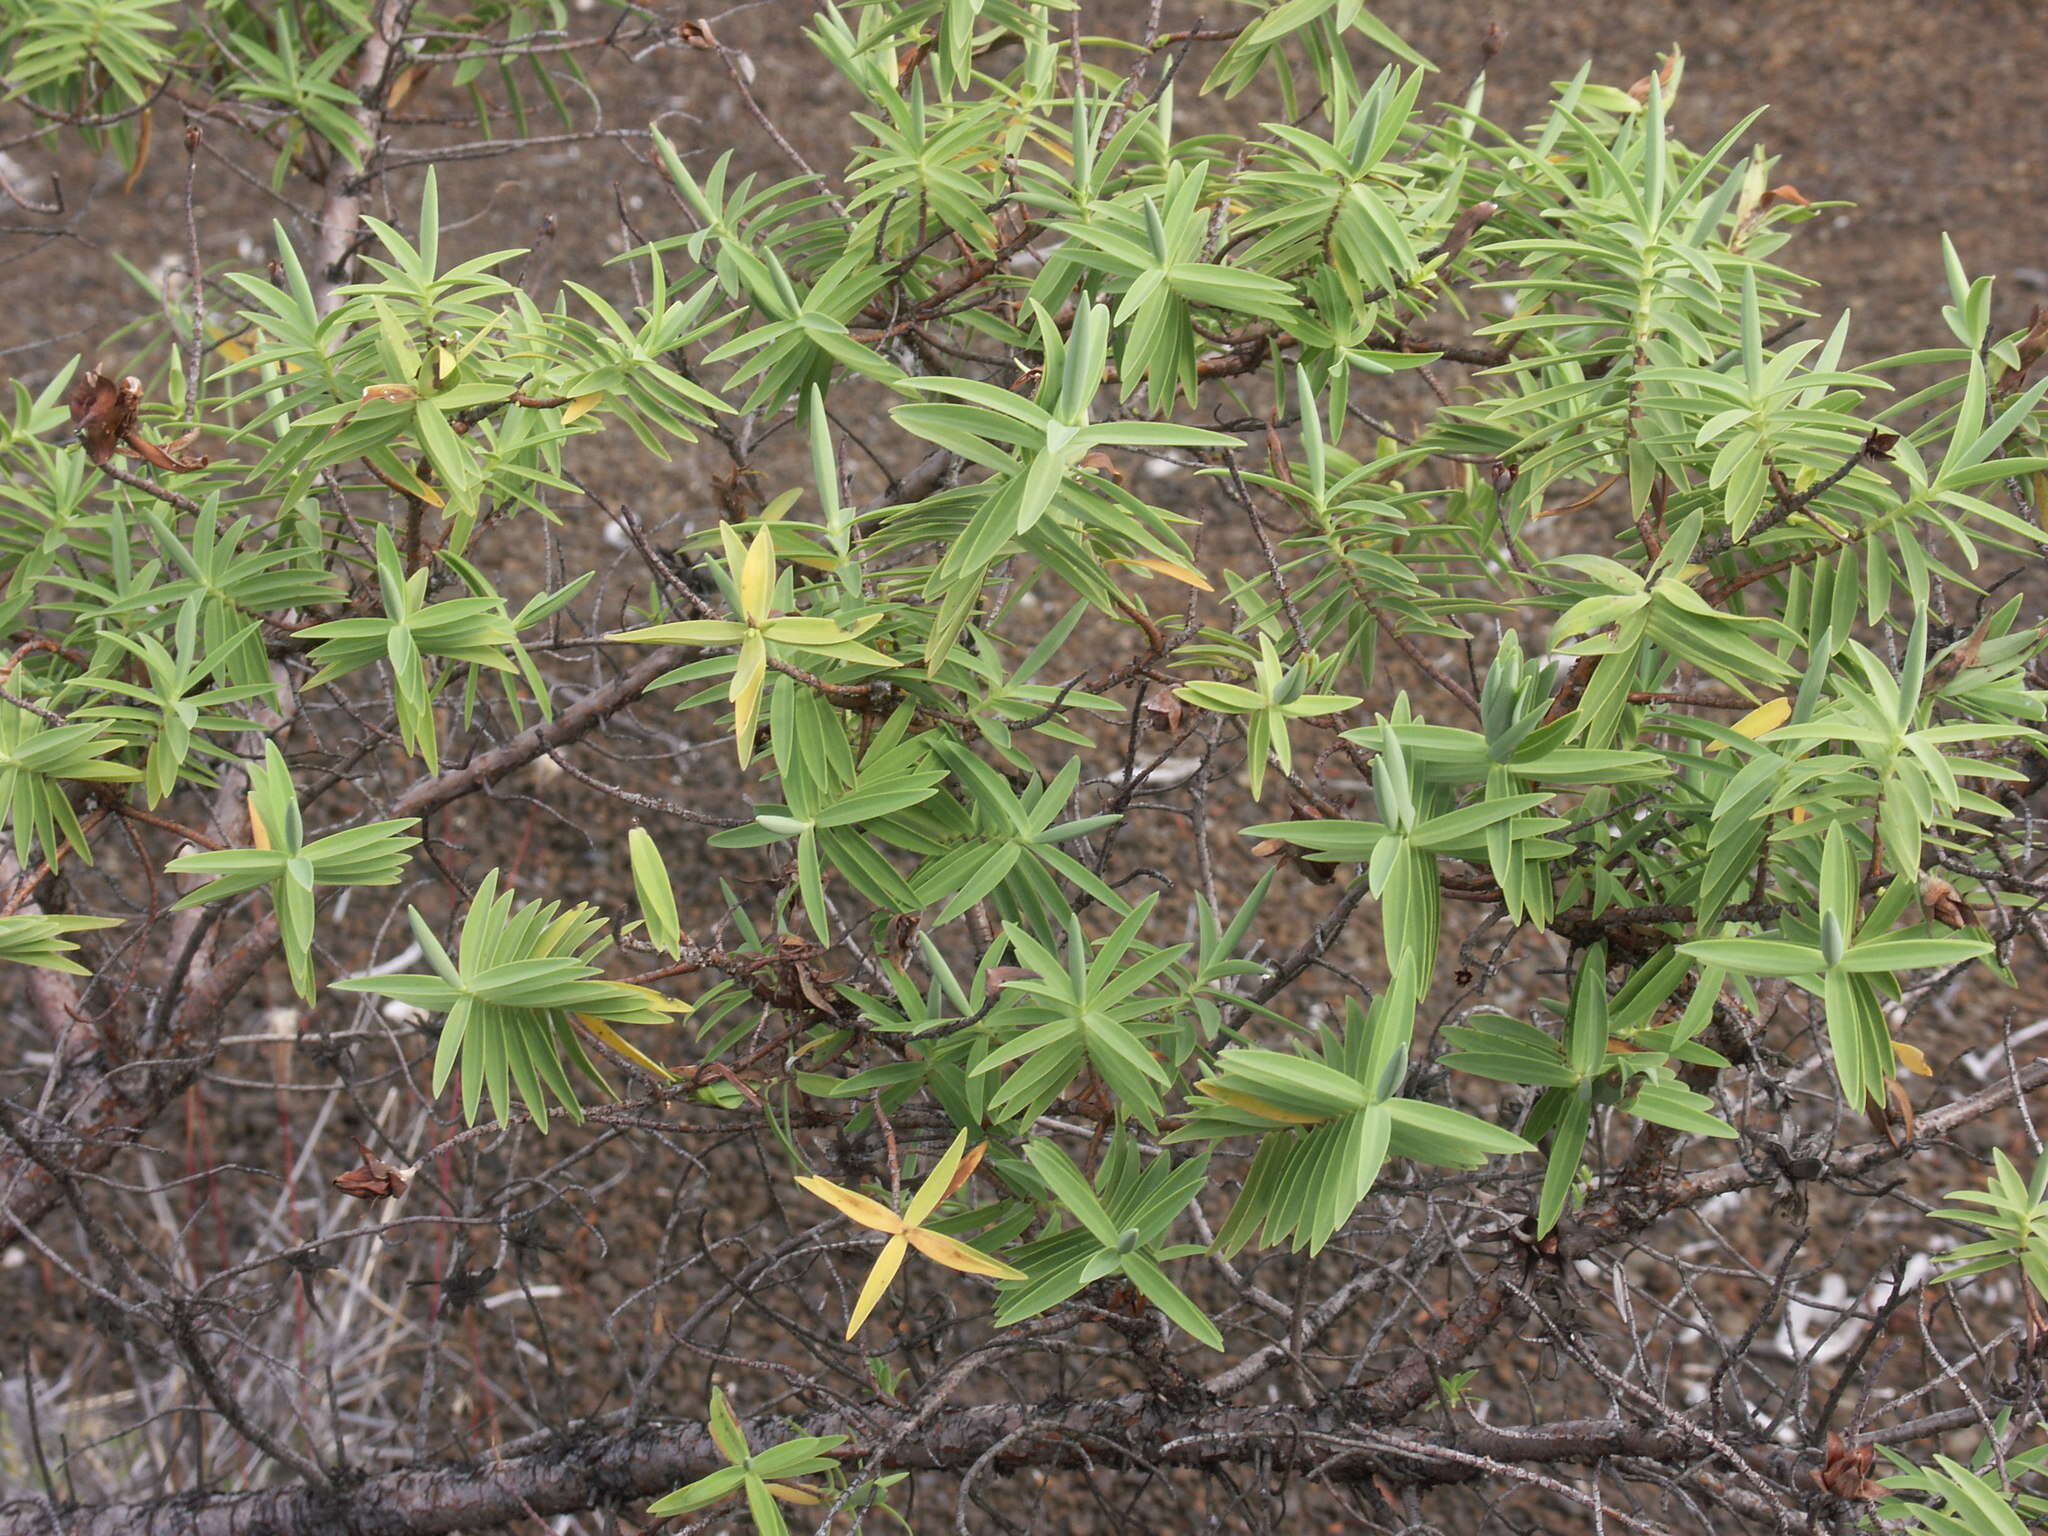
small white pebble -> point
(1169, 773)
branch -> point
(342, 208)
(588, 1472)
(108, 1104)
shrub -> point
(1323, 756)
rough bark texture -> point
(603, 1470)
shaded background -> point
(1927, 115)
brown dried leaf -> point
(737, 494)
(2034, 345)
(1168, 707)
(170, 463)
(1905, 1108)
(1467, 226)
(965, 1171)
(407, 82)
(1103, 465)
(817, 990)
(1667, 77)
(1846, 1473)
(903, 929)
(375, 1180)
(1958, 658)
(145, 137)
(103, 416)
(1288, 854)
(1942, 903)
(102, 412)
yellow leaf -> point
(413, 485)
(792, 1493)
(906, 1232)
(1179, 573)
(750, 671)
(757, 578)
(1912, 1058)
(886, 1265)
(398, 394)
(654, 999)
(778, 509)
(1765, 717)
(612, 1038)
(1252, 1106)
(581, 406)
(444, 362)
(259, 835)
(938, 1183)
(402, 86)
(966, 1169)
(1053, 147)
(957, 1255)
(144, 138)
(1798, 814)
(869, 1213)
(735, 548)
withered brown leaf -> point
(1666, 77)
(1167, 707)
(1942, 902)
(103, 412)
(162, 458)
(375, 1180)
(1846, 1473)
(1104, 465)
(1957, 659)
(104, 418)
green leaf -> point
(1756, 957)
(657, 897)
